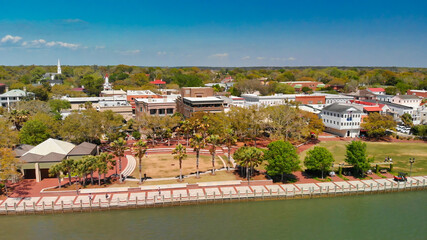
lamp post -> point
(411, 161)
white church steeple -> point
(107, 84)
(59, 67)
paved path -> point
(146, 195)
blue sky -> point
(214, 33)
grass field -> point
(164, 165)
(398, 151)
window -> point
(161, 111)
(153, 111)
(170, 110)
(140, 109)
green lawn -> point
(399, 152)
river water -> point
(385, 216)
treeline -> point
(244, 124)
(133, 77)
(32, 122)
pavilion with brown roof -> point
(36, 160)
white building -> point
(407, 100)
(277, 99)
(377, 91)
(14, 95)
(107, 85)
(342, 120)
(385, 98)
(280, 99)
(337, 98)
(50, 77)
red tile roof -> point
(363, 102)
(158, 81)
(372, 109)
(376, 89)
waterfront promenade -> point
(177, 194)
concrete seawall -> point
(201, 193)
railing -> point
(213, 197)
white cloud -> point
(76, 20)
(260, 58)
(34, 43)
(276, 59)
(63, 44)
(129, 52)
(291, 59)
(246, 58)
(41, 43)
(220, 55)
(161, 53)
(10, 38)
(99, 47)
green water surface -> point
(386, 216)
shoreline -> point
(202, 193)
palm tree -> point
(56, 170)
(230, 140)
(101, 167)
(108, 161)
(119, 148)
(81, 169)
(91, 164)
(180, 153)
(197, 142)
(185, 128)
(248, 157)
(68, 166)
(214, 140)
(140, 148)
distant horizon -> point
(250, 33)
(153, 66)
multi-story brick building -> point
(198, 99)
(131, 95)
(154, 106)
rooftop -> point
(373, 109)
(337, 107)
(155, 100)
(83, 148)
(376, 89)
(140, 92)
(158, 81)
(118, 92)
(389, 104)
(15, 93)
(203, 99)
(419, 91)
(415, 97)
(52, 146)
